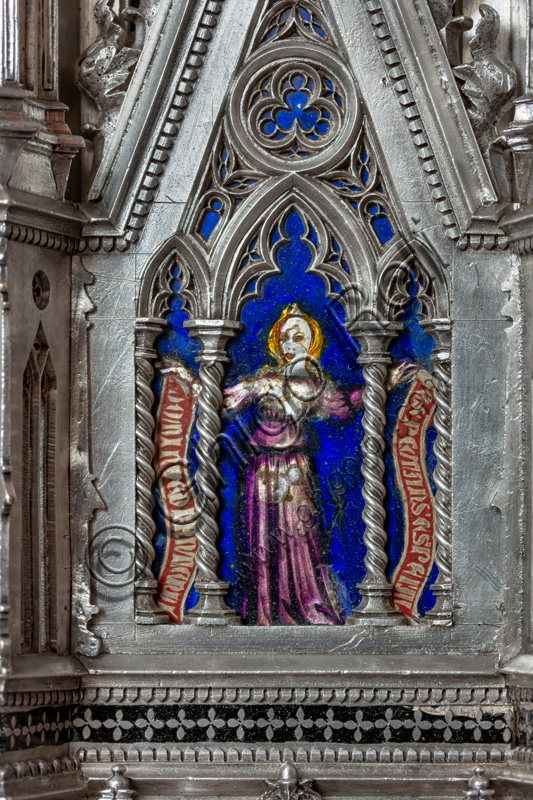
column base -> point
(375, 608)
(211, 608)
(442, 612)
(146, 611)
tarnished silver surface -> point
(265, 201)
(349, 702)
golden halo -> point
(317, 338)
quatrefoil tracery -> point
(296, 111)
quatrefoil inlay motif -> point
(296, 112)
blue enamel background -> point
(334, 447)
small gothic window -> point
(38, 590)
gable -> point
(412, 103)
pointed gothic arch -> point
(39, 538)
(204, 287)
(322, 210)
(158, 273)
(393, 273)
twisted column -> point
(211, 608)
(441, 613)
(146, 611)
(376, 606)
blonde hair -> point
(317, 338)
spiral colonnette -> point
(375, 537)
(208, 475)
(144, 552)
(443, 471)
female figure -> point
(286, 573)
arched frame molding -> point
(213, 296)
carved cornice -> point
(27, 769)
(52, 240)
(496, 240)
(398, 78)
(523, 246)
(305, 753)
(25, 234)
(18, 700)
(40, 221)
(523, 755)
(521, 696)
(103, 244)
(485, 230)
(171, 125)
(518, 225)
(157, 695)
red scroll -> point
(409, 451)
(175, 418)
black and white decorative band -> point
(290, 723)
(41, 726)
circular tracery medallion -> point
(296, 112)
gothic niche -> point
(38, 565)
(301, 437)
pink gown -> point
(287, 579)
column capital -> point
(146, 331)
(441, 331)
(213, 335)
(374, 336)
(149, 323)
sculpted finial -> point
(449, 27)
(105, 67)
(117, 786)
(489, 82)
(289, 786)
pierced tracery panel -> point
(290, 20)
(294, 111)
(358, 181)
(294, 107)
(226, 184)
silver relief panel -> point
(309, 225)
(262, 183)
